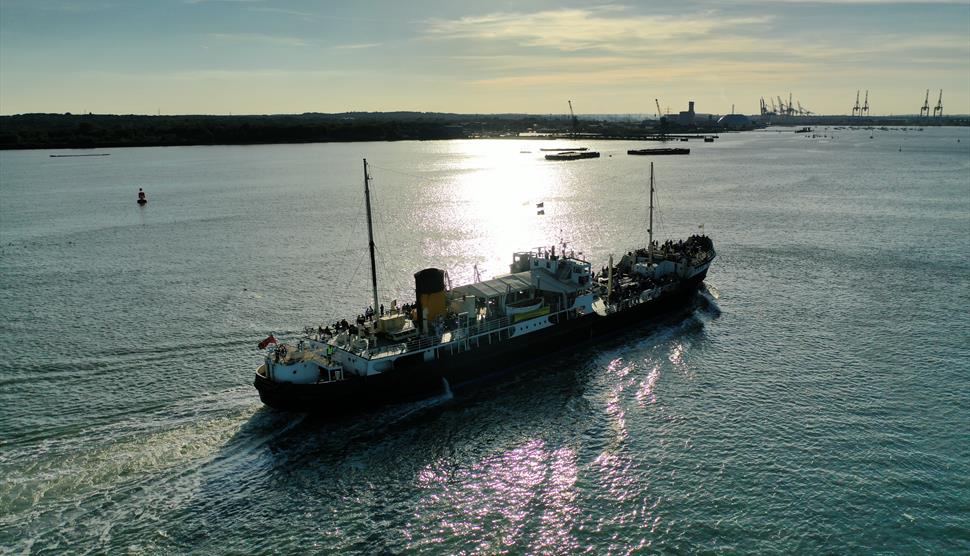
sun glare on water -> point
(494, 195)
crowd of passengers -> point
(694, 245)
(369, 315)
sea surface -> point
(815, 401)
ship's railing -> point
(459, 335)
(488, 325)
(422, 342)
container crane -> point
(865, 105)
(925, 110)
(938, 109)
(572, 117)
(662, 119)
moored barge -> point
(658, 151)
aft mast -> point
(370, 236)
(650, 229)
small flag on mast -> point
(269, 340)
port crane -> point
(856, 111)
(925, 110)
(764, 108)
(865, 105)
(572, 117)
(791, 108)
(659, 111)
(938, 109)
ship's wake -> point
(708, 296)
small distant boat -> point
(572, 155)
(142, 198)
(658, 151)
(708, 139)
(566, 149)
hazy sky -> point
(291, 56)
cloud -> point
(216, 75)
(890, 2)
(295, 13)
(222, 1)
(358, 46)
(732, 72)
(617, 46)
(257, 38)
(71, 7)
(608, 28)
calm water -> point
(817, 402)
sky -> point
(293, 56)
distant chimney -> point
(690, 106)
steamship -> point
(458, 336)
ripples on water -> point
(814, 400)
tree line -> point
(34, 131)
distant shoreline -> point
(96, 131)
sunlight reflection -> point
(678, 357)
(677, 354)
(646, 394)
(614, 407)
(617, 367)
(615, 474)
(614, 401)
(561, 509)
(489, 505)
(489, 198)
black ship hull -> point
(465, 368)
